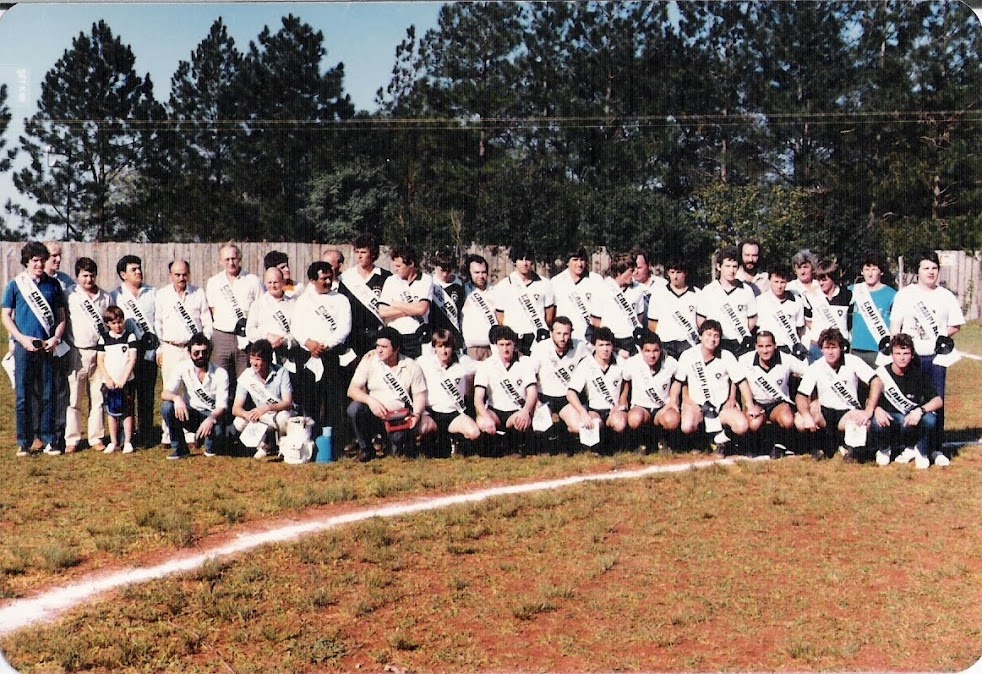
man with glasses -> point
(194, 398)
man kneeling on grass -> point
(263, 394)
(710, 377)
(650, 374)
(195, 395)
(828, 397)
(907, 411)
(769, 372)
(603, 382)
(505, 393)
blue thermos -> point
(325, 445)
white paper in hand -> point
(590, 436)
(316, 366)
(8, 366)
(253, 434)
(346, 358)
(713, 424)
(855, 435)
(542, 419)
(948, 359)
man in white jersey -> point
(672, 310)
(750, 271)
(478, 315)
(646, 281)
(932, 316)
(783, 314)
(321, 326)
(362, 284)
(271, 318)
(384, 383)
(706, 385)
(575, 289)
(599, 379)
(86, 304)
(731, 303)
(828, 397)
(230, 293)
(524, 301)
(769, 372)
(804, 263)
(139, 304)
(650, 374)
(449, 376)
(555, 359)
(194, 399)
(181, 311)
(264, 395)
(829, 307)
(405, 300)
(505, 393)
(619, 306)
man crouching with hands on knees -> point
(195, 396)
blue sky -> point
(362, 35)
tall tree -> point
(83, 141)
(291, 128)
(5, 157)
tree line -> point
(835, 125)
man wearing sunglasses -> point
(195, 398)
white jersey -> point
(139, 311)
(603, 387)
(220, 291)
(709, 381)
(177, 319)
(396, 290)
(85, 316)
(324, 318)
(783, 318)
(649, 389)
(555, 371)
(477, 316)
(675, 313)
(524, 304)
(837, 390)
(733, 308)
(574, 300)
(774, 384)
(925, 314)
(205, 396)
(271, 316)
(446, 386)
(618, 309)
(506, 389)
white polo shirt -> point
(925, 314)
(85, 315)
(731, 308)
(574, 299)
(275, 388)
(506, 389)
(675, 313)
(324, 318)
(396, 290)
(649, 389)
(246, 288)
(271, 316)
(772, 385)
(509, 294)
(783, 318)
(370, 375)
(709, 382)
(555, 372)
(603, 387)
(837, 390)
(478, 316)
(205, 396)
(618, 309)
(446, 386)
(175, 314)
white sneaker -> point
(921, 462)
(883, 457)
(53, 451)
(128, 448)
(260, 453)
(906, 456)
(721, 438)
(941, 460)
(110, 448)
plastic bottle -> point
(325, 445)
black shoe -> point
(850, 456)
(818, 454)
(777, 452)
(366, 455)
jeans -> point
(938, 376)
(367, 425)
(34, 397)
(195, 418)
(919, 436)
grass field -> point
(790, 565)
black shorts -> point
(555, 402)
(443, 419)
(833, 417)
(504, 417)
(769, 407)
(602, 413)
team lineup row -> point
(292, 347)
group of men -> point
(441, 361)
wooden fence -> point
(960, 272)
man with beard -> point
(194, 399)
(750, 272)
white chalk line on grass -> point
(45, 607)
